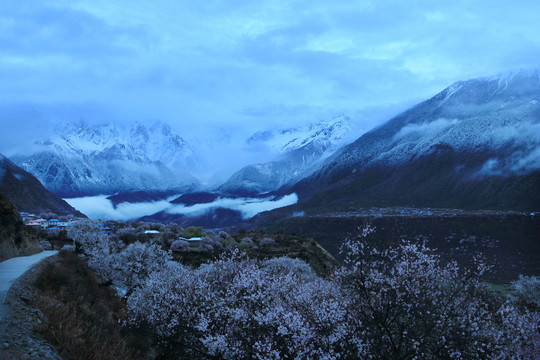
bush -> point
(285, 265)
(193, 231)
(526, 293)
(247, 241)
(209, 244)
(408, 305)
(267, 241)
(45, 245)
(391, 303)
(224, 235)
(127, 236)
(243, 246)
(68, 248)
(180, 246)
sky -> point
(216, 67)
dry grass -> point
(82, 319)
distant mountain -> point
(139, 197)
(297, 151)
(87, 159)
(474, 145)
(27, 193)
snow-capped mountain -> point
(84, 159)
(475, 145)
(295, 153)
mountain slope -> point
(15, 238)
(297, 152)
(27, 193)
(474, 145)
(104, 159)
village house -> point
(34, 220)
(193, 242)
(151, 232)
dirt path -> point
(19, 316)
(12, 269)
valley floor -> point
(507, 239)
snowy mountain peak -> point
(326, 133)
(503, 87)
(84, 158)
(296, 151)
(486, 128)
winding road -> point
(12, 268)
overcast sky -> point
(250, 64)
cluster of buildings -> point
(34, 220)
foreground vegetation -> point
(395, 303)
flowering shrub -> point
(100, 249)
(409, 305)
(285, 265)
(87, 234)
(215, 244)
(224, 235)
(238, 309)
(526, 292)
(180, 245)
(135, 263)
(394, 303)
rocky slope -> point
(474, 145)
(15, 238)
(27, 193)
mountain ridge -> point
(298, 151)
(106, 159)
(27, 193)
(476, 141)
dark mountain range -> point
(200, 197)
(215, 218)
(27, 193)
(474, 145)
(139, 196)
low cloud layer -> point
(425, 129)
(99, 207)
(248, 207)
